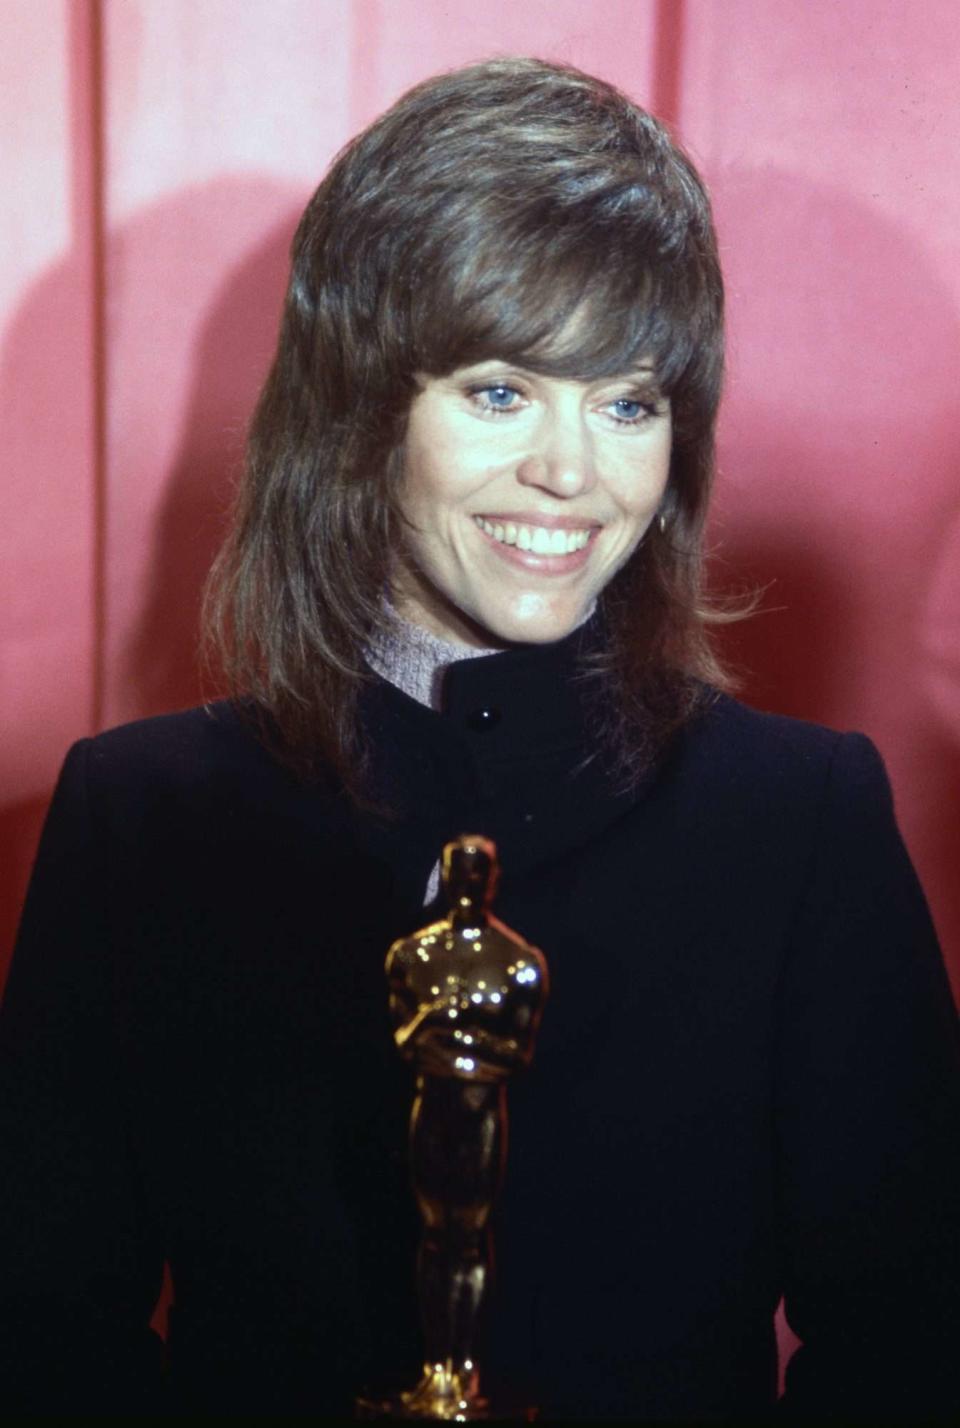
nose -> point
(561, 457)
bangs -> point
(581, 310)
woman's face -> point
(525, 495)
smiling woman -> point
(463, 590)
(503, 289)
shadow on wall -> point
(231, 357)
(816, 650)
(164, 262)
(839, 493)
(20, 825)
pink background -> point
(155, 156)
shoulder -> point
(760, 778)
(174, 764)
(168, 745)
(782, 803)
(731, 742)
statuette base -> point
(441, 1394)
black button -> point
(480, 720)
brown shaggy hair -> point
(477, 218)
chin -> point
(540, 627)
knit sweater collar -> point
(416, 661)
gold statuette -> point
(466, 995)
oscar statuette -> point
(466, 994)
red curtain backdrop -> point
(155, 155)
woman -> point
(463, 593)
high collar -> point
(511, 704)
(513, 754)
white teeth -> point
(537, 539)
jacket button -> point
(480, 720)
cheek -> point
(655, 476)
(640, 489)
(438, 486)
(427, 461)
(422, 488)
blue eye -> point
(495, 397)
(627, 409)
(499, 397)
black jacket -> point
(747, 1082)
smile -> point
(538, 540)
